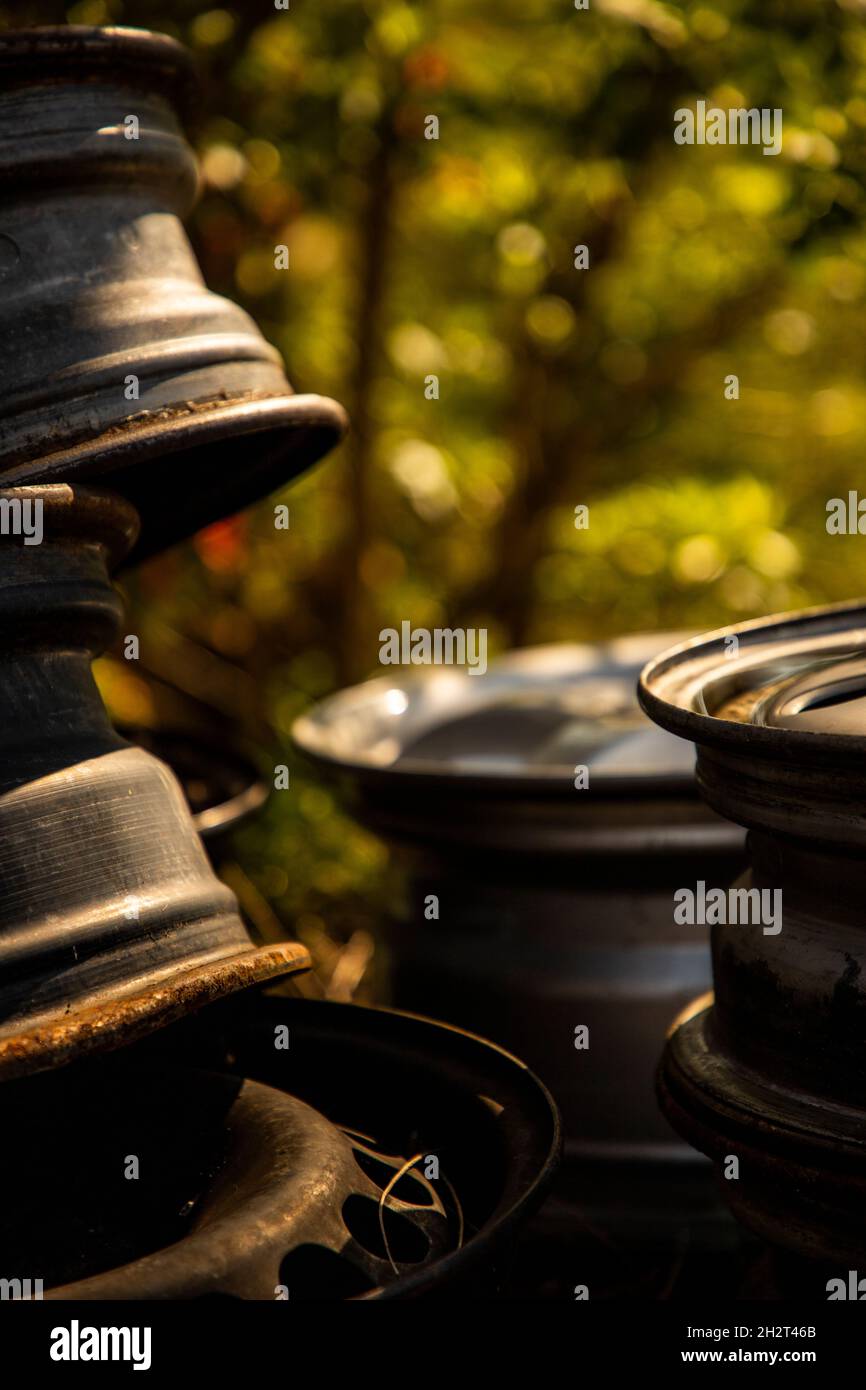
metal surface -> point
(223, 788)
(111, 919)
(245, 1187)
(500, 752)
(116, 363)
(270, 1180)
(417, 1086)
(518, 727)
(554, 904)
(774, 1069)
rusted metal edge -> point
(160, 431)
(53, 1040)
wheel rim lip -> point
(722, 1097)
(154, 439)
(317, 731)
(305, 428)
(96, 1024)
(78, 52)
(673, 684)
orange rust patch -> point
(114, 1023)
